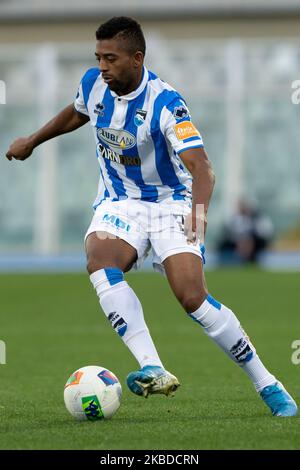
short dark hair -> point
(124, 28)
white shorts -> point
(145, 226)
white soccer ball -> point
(92, 393)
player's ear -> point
(138, 59)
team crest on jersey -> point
(140, 116)
(118, 139)
(180, 112)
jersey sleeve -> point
(178, 128)
(83, 93)
(79, 103)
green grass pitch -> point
(52, 325)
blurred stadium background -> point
(233, 61)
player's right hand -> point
(195, 226)
(20, 149)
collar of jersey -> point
(137, 91)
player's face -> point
(120, 69)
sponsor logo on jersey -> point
(140, 116)
(180, 112)
(114, 220)
(118, 139)
(108, 377)
(92, 408)
(74, 379)
(115, 157)
(185, 130)
(118, 323)
(99, 109)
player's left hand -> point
(195, 228)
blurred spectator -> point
(245, 236)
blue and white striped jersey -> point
(139, 137)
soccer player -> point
(154, 173)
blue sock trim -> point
(249, 357)
(213, 302)
(194, 319)
(202, 250)
(114, 275)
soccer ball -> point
(92, 393)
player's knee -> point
(191, 301)
(94, 265)
(90, 267)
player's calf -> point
(125, 314)
(223, 327)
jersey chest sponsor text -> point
(109, 154)
(116, 138)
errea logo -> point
(118, 139)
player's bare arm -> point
(67, 120)
(198, 164)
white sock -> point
(222, 326)
(124, 311)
